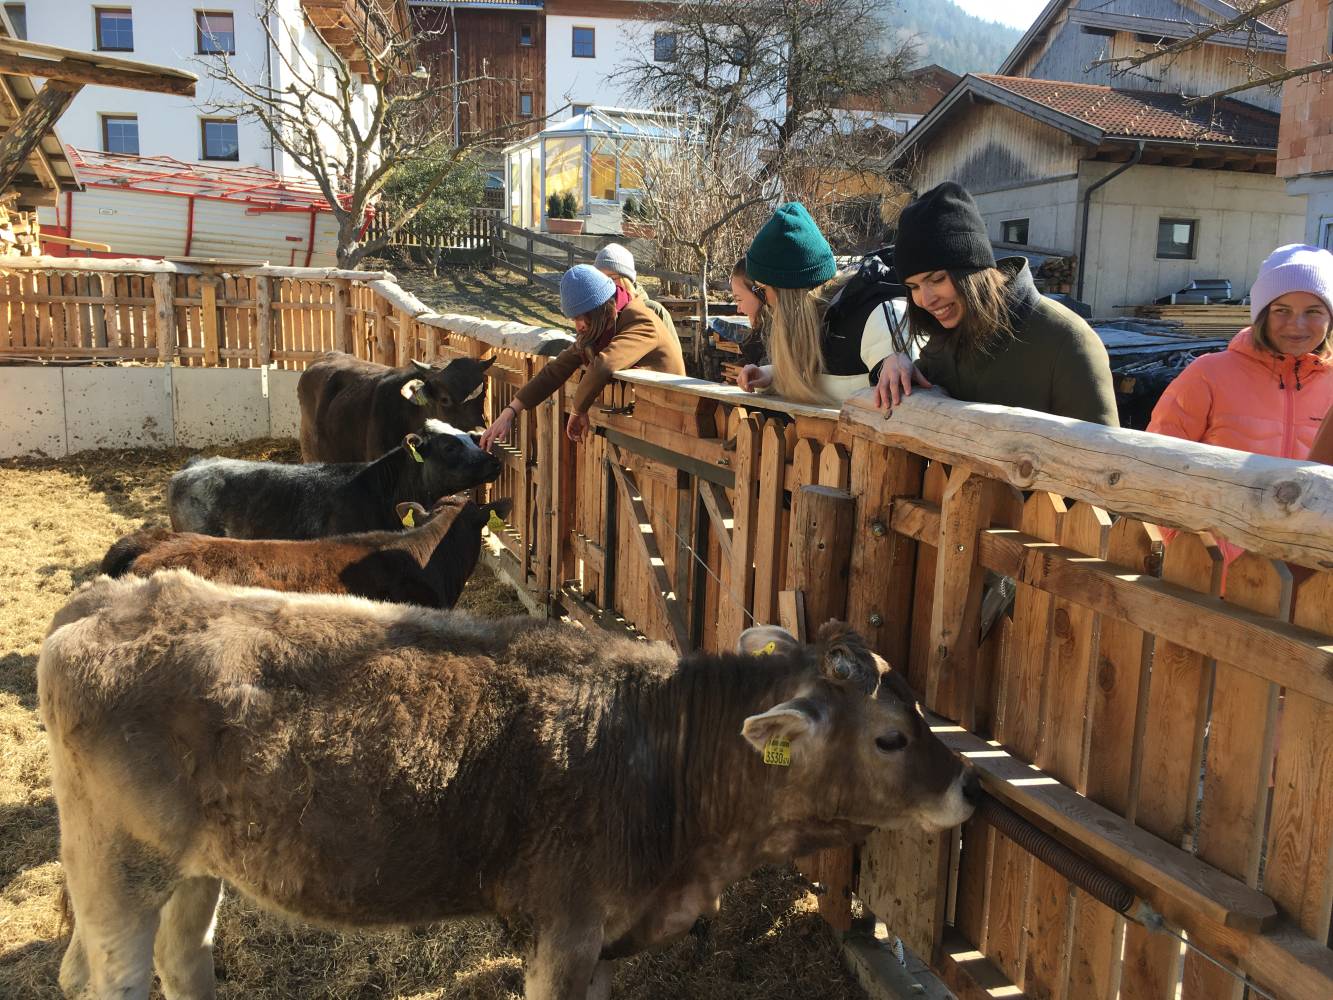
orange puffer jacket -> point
(1248, 399)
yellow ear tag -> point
(768, 649)
(495, 523)
(408, 520)
(777, 751)
(415, 454)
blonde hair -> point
(1259, 332)
(795, 332)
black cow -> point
(239, 499)
(355, 411)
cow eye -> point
(891, 743)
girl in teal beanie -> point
(828, 334)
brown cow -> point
(428, 565)
(364, 764)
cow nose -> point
(972, 791)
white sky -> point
(1016, 13)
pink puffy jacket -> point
(1248, 399)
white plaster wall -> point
(56, 411)
(1241, 217)
(164, 33)
(588, 81)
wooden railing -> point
(476, 233)
(524, 251)
(1180, 741)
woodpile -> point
(19, 231)
(1198, 320)
(1057, 274)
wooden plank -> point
(645, 541)
(804, 466)
(719, 513)
(904, 876)
(740, 597)
(1174, 882)
(342, 326)
(1238, 759)
(768, 523)
(834, 466)
(264, 319)
(1299, 871)
(971, 975)
(932, 489)
(164, 316)
(24, 136)
(879, 600)
(956, 602)
(209, 318)
(1285, 654)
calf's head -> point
(858, 748)
(446, 460)
(454, 393)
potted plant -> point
(635, 220)
(561, 221)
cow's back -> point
(243, 499)
(295, 712)
(347, 406)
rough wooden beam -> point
(82, 71)
(1279, 508)
(37, 119)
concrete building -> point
(1146, 190)
(173, 33)
(1305, 144)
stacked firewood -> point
(1057, 274)
(19, 231)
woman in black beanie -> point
(990, 337)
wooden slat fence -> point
(476, 233)
(1172, 725)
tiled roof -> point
(1275, 19)
(1141, 114)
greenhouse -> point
(593, 162)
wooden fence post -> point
(164, 313)
(384, 339)
(342, 327)
(955, 620)
(208, 317)
(264, 319)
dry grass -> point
(57, 519)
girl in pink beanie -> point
(1268, 392)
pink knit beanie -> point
(1296, 267)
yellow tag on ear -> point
(495, 523)
(777, 751)
(768, 649)
(408, 520)
(415, 454)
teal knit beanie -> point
(790, 251)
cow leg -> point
(562, 965)
(183, 949)
(111, 951)
(601, 981)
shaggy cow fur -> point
(355, 411)
(428, 565)
(228, 496)
(367, 764)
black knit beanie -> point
(941, 230)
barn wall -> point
(60, 411)
(987, 146)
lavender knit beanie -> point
(1296, 267)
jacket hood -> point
(1020, 288)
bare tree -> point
(352, 121)
(1245, 27)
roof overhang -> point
(971, 90)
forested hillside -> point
(945, 34)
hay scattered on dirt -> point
(57, 519)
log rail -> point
(1170, 723)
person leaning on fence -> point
(749, 299)
(1270, 390)
(617, 263)
(612, 332)
(828, 333)
(990, 336)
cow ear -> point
(414, 391)
(847, 659)
(485, 363)
(420, 366)
(762, 639)
(781, 727)
(412, 514)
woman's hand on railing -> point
(498, 430)
(897, 375)
(752, 378)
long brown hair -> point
(600, 319)
(1259, 331)
(986, 321)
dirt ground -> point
(57, 519)
(488, 292)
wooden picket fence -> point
(1179, 740)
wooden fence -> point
(1180, 741)
(476, 233)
